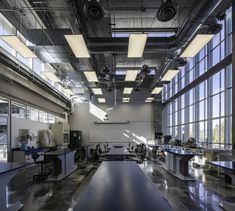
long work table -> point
(118, 153)
(63, 163)
(7, 172)
(177, 163)
(229, 169)
(121, 186)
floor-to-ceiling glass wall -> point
(204, 112)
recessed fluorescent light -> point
(131, 75)
(51, 76)
(125, 99)
(91, 76)
(78, 45)
(101, 100)
(127, 90)
(169, 75)
(97, 91)
(157, 90)
(198, 42)
(136, 45)
(18, 45)
(68, 92)
(149, 99)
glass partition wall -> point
(10, 109)
(4, 129)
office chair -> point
(42, 175)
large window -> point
(205, 111)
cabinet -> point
(75, 139)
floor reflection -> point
(204, 194)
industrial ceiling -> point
(105, 26)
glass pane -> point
(216, 107)
(51, 118)
(216, 83)
(182, 116)
(201, 132)
(32, 114)
(4, 107)
(191, 130)
(222, 104)
(216, 55)
(3, 138)
(201, 110)
(216, 130)
(201, 91)
(18, 110)
(43, 117)
(191, 113)
(222, 131)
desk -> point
(7, 172)
(118, 153)
(177, 163)
(20, 155)
(121, 186)
(63, 163)
(229, 168)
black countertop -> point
(121, 186)
(59, 152)
(181, 152)
(230, 165)
(11, 166)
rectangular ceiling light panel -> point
(157, 90)
(149, 99)
(101, 100)
(136, 45)
(131, 75)
(97, 91)
(20, 47)
(91, 76)
(125, 99)
(68, 92)
(78, 45)
(198, 42)
(127, 90)
(169, 75)
(51, 76)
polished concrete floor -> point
(204, 194)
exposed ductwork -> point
(198, 16)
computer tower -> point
(75, 139)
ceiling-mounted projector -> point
(167, 10)
(94, 10)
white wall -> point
(140, 128)
(33, 127)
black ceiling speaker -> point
(167, 10)
(180, 62)
(212, 27)
(94, 10)
(137, 88)
(215, 28)
(145, 69)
